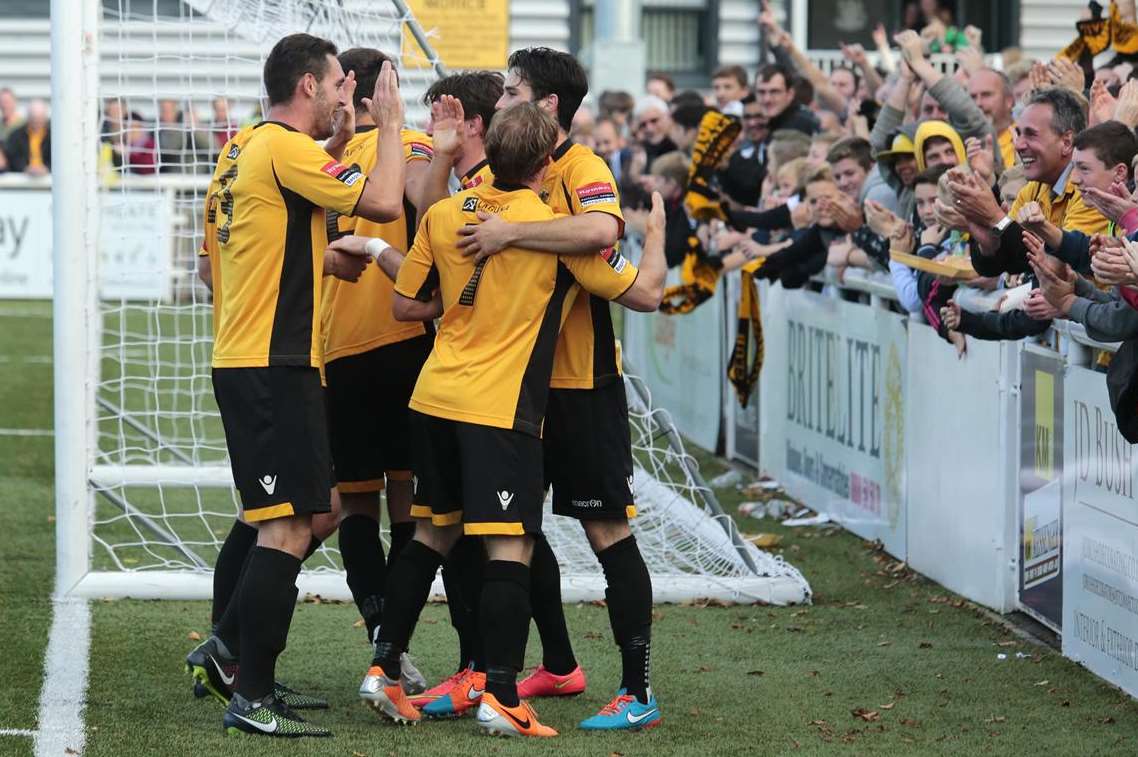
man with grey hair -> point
(653, 123)
(29, 145)
(1045, 142)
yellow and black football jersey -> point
(479, 173)
(493, 355)
(356, 317)
(578, 181)
(271, 236)
(225, 160)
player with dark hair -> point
(268, 242)
(587, 444)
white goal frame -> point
(79, 476)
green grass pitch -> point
(884, 662)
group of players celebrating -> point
(331, 264)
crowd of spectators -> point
(1019, 176)
(176, 140)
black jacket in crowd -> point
(19, 151)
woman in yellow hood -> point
(931, 144)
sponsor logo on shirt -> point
(598, 193)
(347, 174)
(615, 260)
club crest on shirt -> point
(598, 193)
(234, 151)
(470, 204)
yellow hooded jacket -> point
(928, 129)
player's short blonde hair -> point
(519, 142)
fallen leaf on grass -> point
(884, 643)
(1009, 643)
(195, 636)
(867, 715)
(358, 624)
(925, 645)
(1108, 720)
(358, 754)
(756, 672)
(1042, 683)
(888, 706)
(703, 669)
(911, 723)
(765, 541)
(996, 719)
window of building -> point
(680, 37)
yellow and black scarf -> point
(717, 134)
(744, 376)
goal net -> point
(145, 492)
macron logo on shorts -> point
(505, 498)
(268, 483)
(597, 193)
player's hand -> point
(350, 244)
(346, 266)
(484, 239)
(950, 314)
(386, 103)
(656, 220)
(1108, 203)
(447, 134)
(344, 117)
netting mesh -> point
(177, 79)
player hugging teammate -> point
(466, 428)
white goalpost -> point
(144, 92)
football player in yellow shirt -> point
(479, 407)
(271, 239)
(371, 362)
(587, 442)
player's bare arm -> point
(382, 197)
(343, 119)
(447, 120)
(647, 291)
(407, 309)
(205, 271)
(571, 235)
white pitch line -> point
(26, 432)
(17, 732)
(64, 693)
